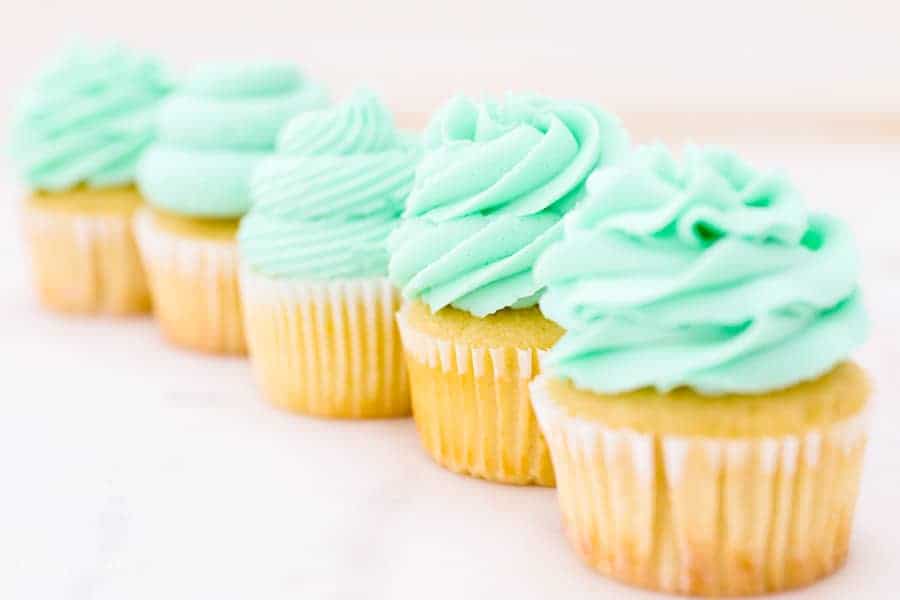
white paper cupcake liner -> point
(327, 348)
(86, 263)
(195, 287)
(700, 515)
(472, 407)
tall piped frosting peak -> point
(214, 131)
(706, 274)
(87, 118)
(324, 205)
(362, 125)
(488, 197)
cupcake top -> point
(488, 197)
(214, 130)
(325, 203)
(705, 274)
(87, 118)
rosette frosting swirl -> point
(489, 195)
(706, 274)
(215, 130)
(87, 118)
(324, 205)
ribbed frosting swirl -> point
(489, 194)
(87, 118)
(324, 205)
(706, 274)
(214, 131)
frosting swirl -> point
(215, 130)
(708, 275)
(489, 195)
(324, 205)
(87, 118)
(477, 263)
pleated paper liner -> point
(329, 349)
(85, 263)
(703, 515)
(472, 407)
(194, 283)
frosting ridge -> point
(214, 131)
(496, 178)
(324, 205)
(705, 274)
(87, 118)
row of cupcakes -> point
(666, 342)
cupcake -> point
(705, 423)
(76, 137)
(319, 309)
(212, 133)
(487, 199)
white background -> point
(132, 470)
(709, 55)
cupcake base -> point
(716, 515)
(193, 272)
(83, 254)
(328, 349)
(469, 383)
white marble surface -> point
(131, 470)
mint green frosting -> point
(704, 274)
(87, 118)
(215, 130)
(489, 195)
(324, 205)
